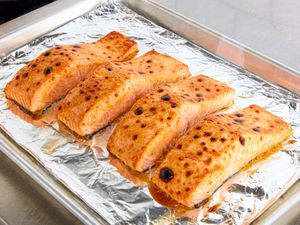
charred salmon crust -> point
(49, 77)
(216, 148)
(158, 119)
(113, 89)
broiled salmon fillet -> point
(156, 120)
(113, 89)
(53, 73)
(216, 148)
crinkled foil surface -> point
(88, 173)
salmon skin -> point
(49, 77)
(158, 119)
(113, 89)
(216, 148)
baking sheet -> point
(88, 172)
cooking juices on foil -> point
(87, 169)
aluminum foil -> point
(88, 172)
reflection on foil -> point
(87, 170)
(135, 177)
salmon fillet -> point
(216, 148)
(113, 89)
(159, 118)
(53, 73)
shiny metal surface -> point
(219, 44)
(21, 58)
(285, 210)
(23, 202)
(23, 29)
(271, 27)
(40, 175)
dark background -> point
(10, 9)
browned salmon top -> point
(114, 88)
(159, 118)
(216, 148)
(53, 73)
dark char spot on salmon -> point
(207, 134)
(138, 111)
(239, 115)
(173, 105)
(46, 53)
(238, 121)
(48, 70)
(166, 98)
(242, 140)
(166, 174)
